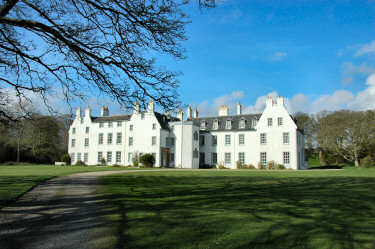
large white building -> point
(191, 142)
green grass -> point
(17, 179)
(243, 209)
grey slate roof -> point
(163, 120)
(222, 121)
(110, 118)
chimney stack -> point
(88, 112)
(188, 112)
(168, 114)
(223, 110)
(78, 112)
(239, 109)
(280, 101)
(180, 115)
(136, 107)
(104, 112)
(269, 102)
(195, 114)
(150, 106)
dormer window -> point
(242, 123)
(254, 122)
(215, 125)
(228, 124)
(203, 125)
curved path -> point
(61, 213)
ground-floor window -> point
(195, 153)
(263, 158)
(228, 159)
(154, 154)
(214, 158)
(130, 155)
(241, 157)
(286, 158)
(201, 158)
(100, 156)
(171, 155)
(86, 157)
(118, 156)
(79, 157)
(72, 157)
(109, 156)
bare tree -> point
(92, 47)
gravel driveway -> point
(61, 213)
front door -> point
(164, 157)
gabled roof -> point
(222, 119)
(110, 118)
(163, 120)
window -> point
(130, 157)
(255, 122)
(86, 157)
(118, 156)
(87, 130)
(130, 141)
(79, 157)
(81, 120)
(100, 138)
(201, 139)
(241, 157)
(280, 121)
(286, 158)
(119, 123)
(130, 127)
(100, 156)
(227, 159)
(119, 138)
(109, 138)
(214, 140)
(110, 124)
(215, 125)
(263, 138)
(73, 144)
(74, 131)
(72, 157)
(269, 122)
(101, 125)
(242, 123)
(263, 158)
(196, 136)
(154, 126)
(228, 124)
(86, 142)
(172, 141)
(203, 125)
(241, 139)
(286, 138)
(171, 157)
(109, 156)
(214, 158)
(201, 158)
(154, 154)
(153, 141)
(227, 139)
(195, 153)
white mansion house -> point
(191, 142)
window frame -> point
(227, 158)
(241, 157)
(241, 138)
(263, 138)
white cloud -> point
(350, 68)
(298, 103)
(365, 99)
(338, 100)
(278, 56)
(364, 49)
(260, 103)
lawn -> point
(243, 209)
(17, 179)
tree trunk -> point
(356, 162)
(18, 148)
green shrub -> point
(250, 166)
(271, 165)
(222, 166)
(135, 159)
(261, 166)
(66, 159)
(103, 162)
(240, 165)
(80, 163)
(147, 160)
(117, 165)
(367, 162)
(280, 166)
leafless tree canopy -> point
(92, 47)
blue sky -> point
(317, 54)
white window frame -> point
(215, 125)
(227, 158)
(109, 156)
(110, 124)
(286, 138)
(73, 130)
(286, 158)
(242, 123)
(87, 130)
(280, 121)
(100, 156)
(241, 139)
(118, 156)
(131, 141)
(119, 138)
(263, 158)
(131, 127)
(214, 140)
(87, 142)
(85, 157)
(214, 158)
(101, 124)
(227, 140)
(154, 126)
(241, 157)
(110, 138)
(153, 140)
(73, 143)
(100, 138)
(203, 125)
(269, 122)
(130, 157)
(263, 138)
(228, 124)
(119, 123)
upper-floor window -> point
(153, 140)
(214, 140)
(195, 153)
(81, 120)
(154, 126)
(119, 123)
(280, 121)
(74, 131)
(109, 138)
(172, 141)
(196, 136)
(254, 122)
(286, 138)
(203, 125)
(269, 122)
(86, 142)
(119, 138)
(242, 123)
(215, 125)
(201, 139)
(228, 124)
(110, 124)
(227, 139)
(100, 140)
(101, 125)
(131, 127)
(241, 139)
(130, 141)
(263, 138)
(87, 130)
(73, 144)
